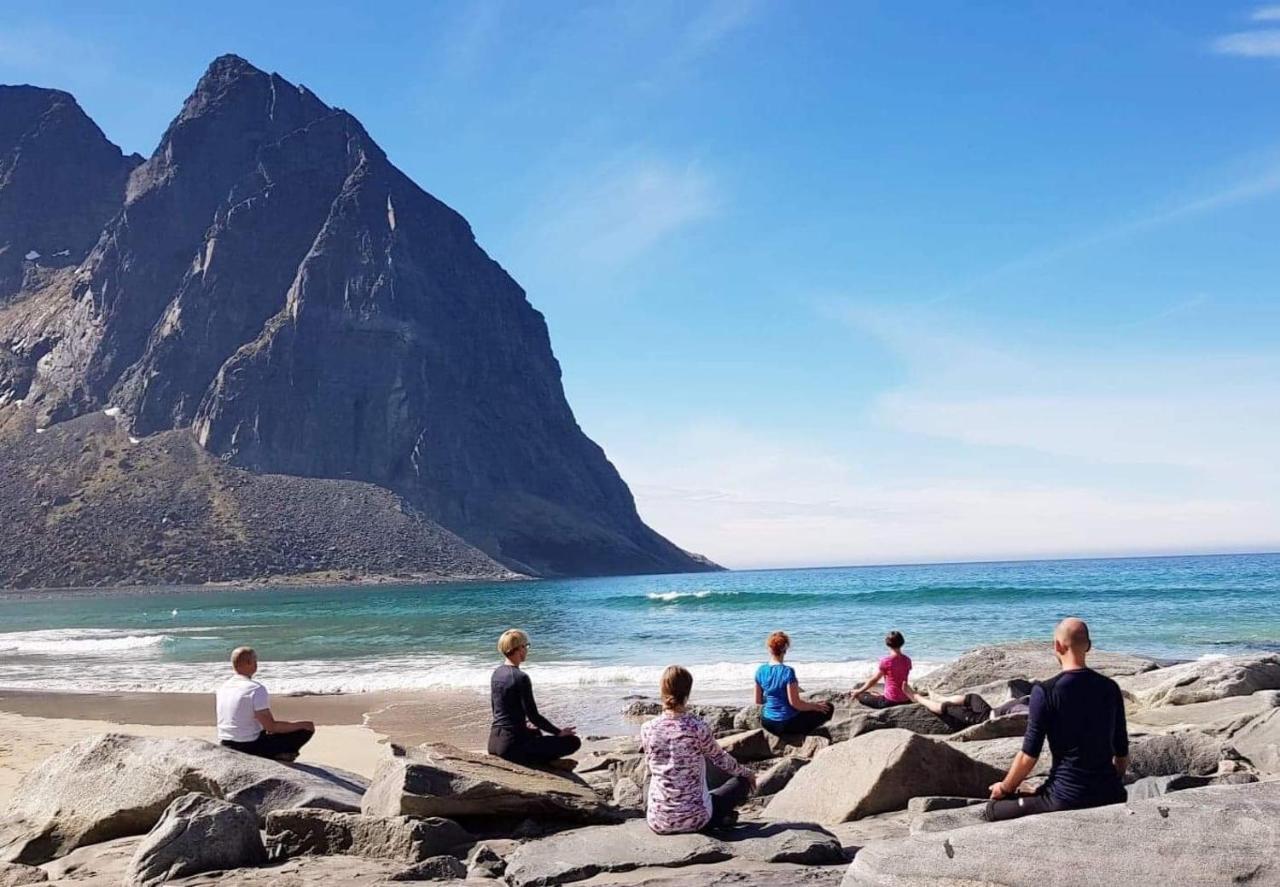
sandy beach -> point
(353, 730)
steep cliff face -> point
(60, 181)
(273, 283)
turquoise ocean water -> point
(619, 632)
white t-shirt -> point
(238, 699)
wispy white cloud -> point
(1266, 14)
(1262, 182)
(1249, 44)
(607, 219)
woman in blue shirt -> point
(779, 692)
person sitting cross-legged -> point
(677, 747)
(245, 722)
(1081, 714)
(778, 690)
(893, 669)
(519, 732)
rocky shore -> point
(884, 798)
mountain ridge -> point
(273, 285)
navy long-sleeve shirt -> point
(511, 697)
(1081, 713)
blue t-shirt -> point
(774, 681)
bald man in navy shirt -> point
(1081, 715)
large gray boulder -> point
(1030, 660)
(992, 728)
(1258, 739)
(876, 773)
(440, 780)
(1208, 836)
(1204, 680)
(326, 832)
(860, 720)
(1189, 752)
(196, 834)
(114, 785)
(1154, 786)
(584, 853)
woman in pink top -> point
(677, 746)
(894, 668)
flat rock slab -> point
(1029, 660)
(1208, 836)
(877, 773)
(13, 874)
(1204, 680)
(115, 785)
(727, 874)
(440, 780)
(584, 853)
(992, 728)
(999, 753)
(1213, 716)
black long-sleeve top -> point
(511, 696)
(1081, 713)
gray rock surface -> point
(994, 728)
(1031, 660)
(1167, 754)
(775, 779)
(373, 341)
(999, 753)
(1258, 739)
(196, 834)
(1204, 680)
(114, 785)
(1215, 716)
(583, 853)
(439, 780)
(488, 859)
(326, 832)
(13, 874)
(733, 873)
(1208, 836)
(1155, 786)
(877, 773)
(437, 868)
(849, 723)
(748, 747)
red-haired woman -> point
(778, 690)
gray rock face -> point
(437, 868)
(14, 874)
(115, 785)
(877, 773)
(995, 728)
(775, 779)
(583, 853)
(1208, 836)
(748, 747)
(861, 719)
(1258, 739)
(1215, 716)
(274, 284)
(61, 182)
(1189, 752)
(1031, 660)
(439, 780)
(1204, 680)
(196, 834)
(1155, 786)
(326, 832)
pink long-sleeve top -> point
(677, 748)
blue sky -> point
(832, 283)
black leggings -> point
(273, 745)
(1031, 805)
(532, 749)
(802, 723)
(876, 700)
(727, 798)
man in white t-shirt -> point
(244, 715)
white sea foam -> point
(77, 642)
(671, 596)
(410, 672)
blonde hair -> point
(676, 686)
(241, 655)
(512, 639)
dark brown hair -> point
(778, 643)
(676, 686)
(895, 640)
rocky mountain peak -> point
(275, 286)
